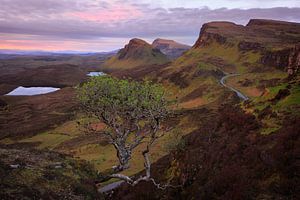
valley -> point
(237, 91)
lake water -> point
(29, 91)
(96, 74)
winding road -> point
(110, 187)
(239, 94)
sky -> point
(105, 25)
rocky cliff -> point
(287, 59)
(277, 42)
(136, 53)
(216, 31)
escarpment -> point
(276, 42)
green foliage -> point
(131, 110)
(124, 100)
(206, 66)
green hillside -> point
(136, 53)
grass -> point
(52, 138)
(292, 99)
(103, 157)
(233, 59)
(193, 103)
(48, 140)
(287, 106)
(270, 125)
(7, 141)
(252, 90)
(36, 180)
(206, 66)
(210, 92)
(148, 59)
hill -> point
(236, 48)
(240, 150)
(229, 148)
(136, 53)
(169, 47)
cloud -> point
(231, 4)
(83, 20)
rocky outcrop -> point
(170, 48)
(206, 37)
(269, 22)
(287, 59)
(274, 40)
(219, 32)
(136, 48)
(136, 53)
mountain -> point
(274, 43)
(236, 149)
(218, 146)
(169, 47)
(136, 53)
(261, 45)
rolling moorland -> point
(221, 146)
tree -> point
(132, 111)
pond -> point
(29, 91)
(96, 74)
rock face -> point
(288, 59)
(137, 49)
(215, 31)
(170, 48)
(278, 42)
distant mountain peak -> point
(137, 41)
(137, 49)
(171, 48)
(266, 22)
(137, 52)
(260, 31)
(160, 40)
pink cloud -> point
(115, 13)
(29, 42)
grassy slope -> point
(271, 110)
(205, 89)
(100, 154)
(38, 178)
(149, 57)
(229, 59)
(113, 63)
(198, 66)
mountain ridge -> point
(136, 53)
(171, 48)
